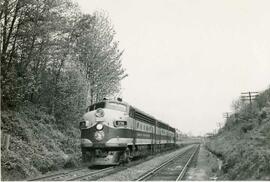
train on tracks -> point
(113, 132)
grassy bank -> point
(244, 142)
(38, 144)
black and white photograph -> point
(135, 90)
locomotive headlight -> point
(99, 135)
(99, 113)
(99, 126)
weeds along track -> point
(173, 169)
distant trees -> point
(55, 56)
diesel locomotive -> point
(113, 132)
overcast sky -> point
(188, 60)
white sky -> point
(188, 60)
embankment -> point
(244, 142)
(38, 144)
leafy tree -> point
(54, 56)
(99, 56)
(35, 40)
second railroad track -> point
(173, 169)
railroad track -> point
(72, 175)
(173, 169)
(93, 175)
(85, 173)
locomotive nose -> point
(99, 134)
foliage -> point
(98, 55)
(34, 47)
(36, 145)
(44, 43)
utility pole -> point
(249, 96)
(226, 115)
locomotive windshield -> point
(116, 106)
(109, 105)
(96, 106)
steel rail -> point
(48, 176)
(55, 175)
(150, 173)
(183, 171)
(90, 174)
